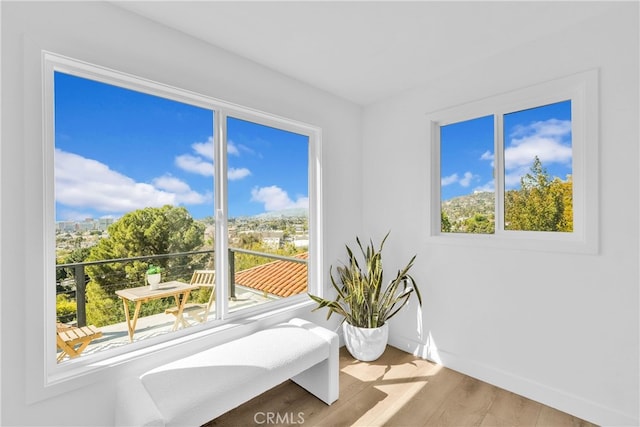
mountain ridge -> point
(462, 207)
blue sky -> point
(118, 150)
(467, 152)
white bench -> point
(205, 385)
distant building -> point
(88, 224)
(301, 241)
(272, 239)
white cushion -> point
(196, 389)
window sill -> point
(527, 241)
(88, 370)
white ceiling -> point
(365, 51)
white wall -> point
(565, 334)
(560, 328)
(108, 36)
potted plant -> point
(154, 276)
(365, 302)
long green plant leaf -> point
(362, 299)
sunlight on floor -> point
(403, 381)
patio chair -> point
(73, 340)
(198, 312)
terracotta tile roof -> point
(281, 278)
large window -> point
(148, 175)
(519, 167)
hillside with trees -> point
(473, 213)
(542, 203)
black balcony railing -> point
(80, 278)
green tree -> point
(102, 308)
(66, 306)
(247, 240)
(541, 204)
(445, 224)
(480, 224)
(76, 256)
(148, 231)
(564, 190)
(77, 242)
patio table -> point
(179, 290)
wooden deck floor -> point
(397, 390)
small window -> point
(519, 167)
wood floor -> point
(397, 390)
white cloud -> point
(448, 180)
(549, 140)
(487, 155)
(465, 181)
(201, 162)
(195, 164)
(245, 149)
(275, 198)
(83, 183)
(512, 176)
(239, 173)
(171, 184)
(486, 187)
(183, 193)
(204, 149)
(545, 139)
(548, 151)
(552, 128)
(232, 149)
(87, 183)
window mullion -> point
(498, 172)
(221, 240)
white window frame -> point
(582, 90)
(55, 373)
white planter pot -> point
(154, 280)
(365, 344)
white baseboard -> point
(555, 398)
